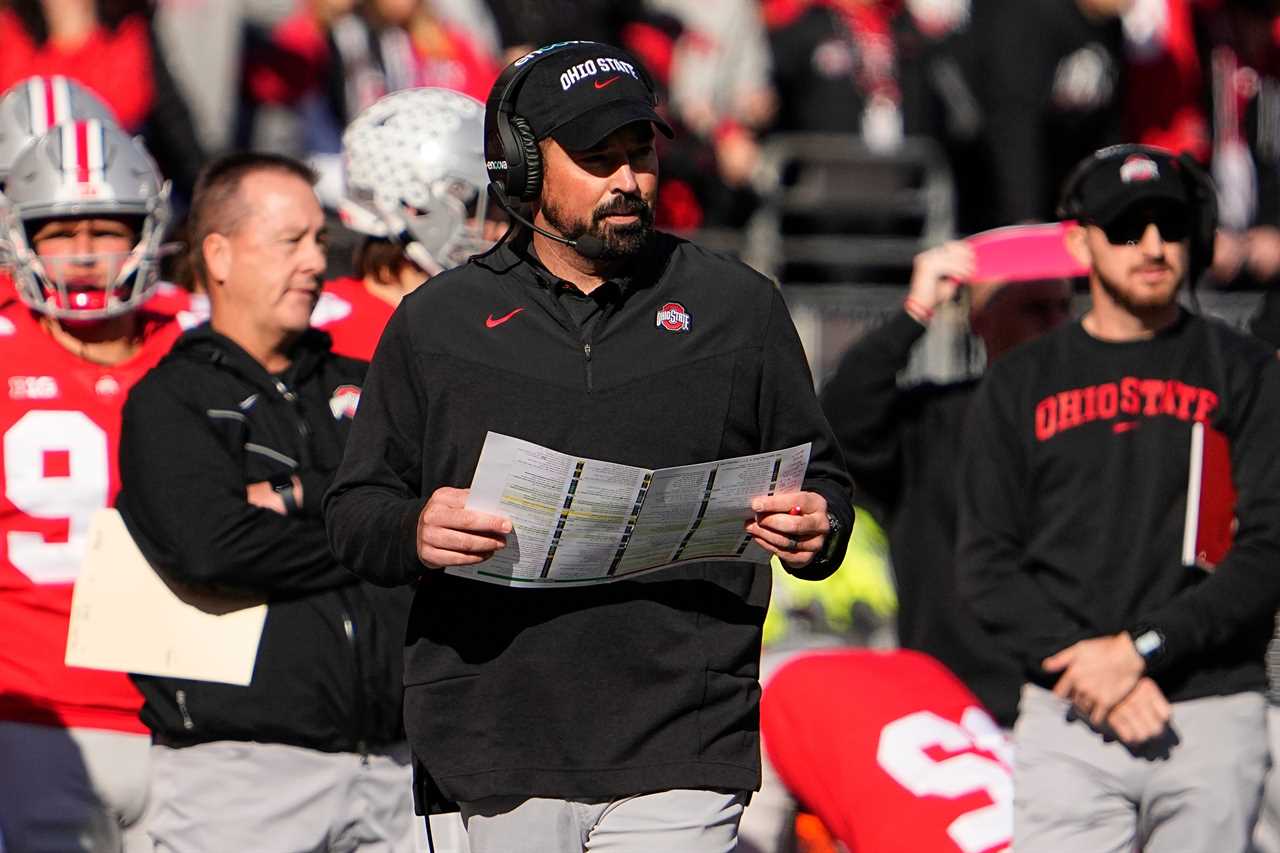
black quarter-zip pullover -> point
(640, 685)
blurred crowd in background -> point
(1010, 93)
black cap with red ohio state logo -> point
(579, 94)
(1128, 178)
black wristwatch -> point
(1149, 644)
(282, 485)
(828, 552)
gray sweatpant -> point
(1197, 792)
(272, 798)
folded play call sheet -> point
(581, 521)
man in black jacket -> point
(226, 449)
(1143, 722)
(622, 715)
(901, 445)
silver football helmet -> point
(30, 107)
(82, 170)
(414, 173)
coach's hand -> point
(793, 526)
(1140, 716)
(449, 534)
(1097, 673)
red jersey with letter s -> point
(891, 751)
(60, 431)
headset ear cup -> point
(1204, 196)
(532, 157)
(1068, 203)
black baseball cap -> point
(580, 93)
(1125, 177)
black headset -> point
(511, 150)
(1199, 186)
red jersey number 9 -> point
(56, 466)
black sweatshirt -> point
(901, 447)
(640, 685)
(202, 425)
(1073, 495)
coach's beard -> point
(621, 242)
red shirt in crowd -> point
(114, 64)
(301, 59)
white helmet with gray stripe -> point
(30, 107)
(85, 169)
(414, 173)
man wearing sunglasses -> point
(1142, 724)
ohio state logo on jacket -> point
(344, 401)
(673, 317)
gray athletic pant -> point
(1073, 790)
(271, 798)
(680, 821)
(1266, 835)
(64, 790)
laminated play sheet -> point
(579, 521)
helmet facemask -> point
(449, 230)
(92, 286)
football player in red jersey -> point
(415, 188)
(85, 215)
(891, 751)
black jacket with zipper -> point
(202, 425)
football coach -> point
(622, 716)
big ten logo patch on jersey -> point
(33, 388)
(932, 756)
(345, 400)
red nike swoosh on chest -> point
(491, 323)
(600, 85)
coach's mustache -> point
(624, 206)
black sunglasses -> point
(1174, 226)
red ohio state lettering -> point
(1108, 400)
(1152, 389)
(1131, 396)
(1206, 402)
(1046, 418)
(1069, 414)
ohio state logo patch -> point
(673, 317)
(1138, 167)
(344, 401)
